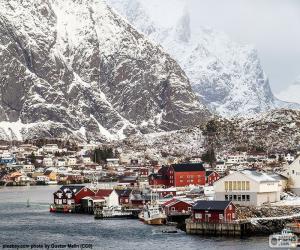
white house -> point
(71, 161)
(86, 160)
(28, 168)
(60, 162)
(289, 158)
(248, 188)
(220, 167)
(42, 178)
(236, 158)
(50, 148)
(47, 162)
(110, 196)
(112, 162)
(293, 173)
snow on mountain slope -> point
(76, 67)
(227, 76)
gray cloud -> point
(272, 26)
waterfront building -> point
(248, 187)
(110, 196)
(71, 195)
(213, 211)
(177, 207)
(124, 196)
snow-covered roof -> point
(258, 176)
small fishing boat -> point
(169, 231)
(113, 213)
(153, 215)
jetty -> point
(233, 228)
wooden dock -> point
(235, 229)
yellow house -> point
(51, 175)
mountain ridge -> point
(77, 68)
(227, 77)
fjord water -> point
(20, 224)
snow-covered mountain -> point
(76, 67)
(227, 76)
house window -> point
(248, 197)
(239, 198)
(293, 171)
(243, 185)
(247, 185)
(226, 185)
(189, 208)
(173, 208)
(226, 197)
(230, 185)
(234, 198)
(243, 197)
(233, 215)
(221, 216)
(230, 207)
(234, 185)
(230, 197)
(198, 216)
(238, 185)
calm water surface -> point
(20, 224)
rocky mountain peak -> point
(77, 68)
(228, 77)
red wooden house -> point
(160, 178)
(124, 196)
(144, 172)
(211, 177)
(185, 174)
(176, 207)
(213, 211)
(70, 196)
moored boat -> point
(153, 215)
(113, 213)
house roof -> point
(124, 192)
(173, 202)
(104, 192)
(74, 188)
(211, 205)
(209, 172)
(158, 176)
(48, 172)
(125, 179)
(258, 176)
(278, 177)
(188, 167)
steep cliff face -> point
(227, 76)
(75, 67)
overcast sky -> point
(272, 26)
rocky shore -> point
(268, 219)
